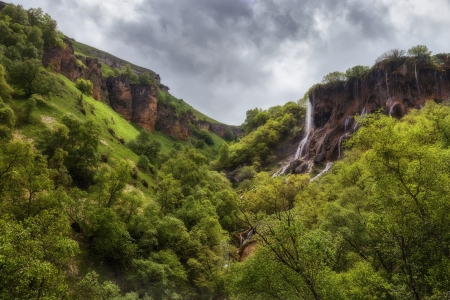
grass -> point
(88, 51)
(112, 129)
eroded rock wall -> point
(392, 88)
(64, 61)
(172, 123)
(120, 98)
(144, 105)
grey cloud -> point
(227, 56)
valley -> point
(113, 188)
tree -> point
(129, 73)
(89, 288)
(168, 194)
(81, 146)
(29, 107)
(419, 51)
(333, 78)
(145, 145)
(7, 117)
(145, 78)
(28, 76)
(5, 89)
(356, 72)
(85, 86)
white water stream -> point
(327, 167)
(308, 126)
(363, 113)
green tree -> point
(89, 288)
(5, 89)
(29, 107)
(168, 194)
(333, 78)
(145, 78)
(356, 72)
(130, 74)
(81, 147)
(85, 86)
(145, 145)
(419, 51)
(28, 76)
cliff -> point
(134, 102)
(116, 62)
(394, 87)
(172, 123)
(221, 130)
(64, 61)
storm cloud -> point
(227, 56)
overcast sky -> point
(227, 56)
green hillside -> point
(93, 207)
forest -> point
(93, 207)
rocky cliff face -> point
(144, 105)
(173, 124)
(394, 88)
(135, 103)
(221, 129)
(120, 98)
(64, 61)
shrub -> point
(85, 86)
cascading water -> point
(303, 142)
(340, 143)
(363, 113)
(327, 167)
(308, 126)
(346, 122)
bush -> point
(334, 77)
(419, 51)
(390, 55)
(143, 163)
(85, 86)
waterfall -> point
(327, 167)
(346, 122)
(308, 126)
(391, 109)
(307, 130)
(363, 113)
(281, 171)
(340, 142)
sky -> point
(225, 57)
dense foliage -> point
(373, 229)
(265, 128)
(79, 222)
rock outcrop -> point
(144, 105)
(172, 123)
(393, 87)
(134, 102)
(120, 98)
(64, 61)
(220, 129)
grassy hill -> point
(113, 131)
